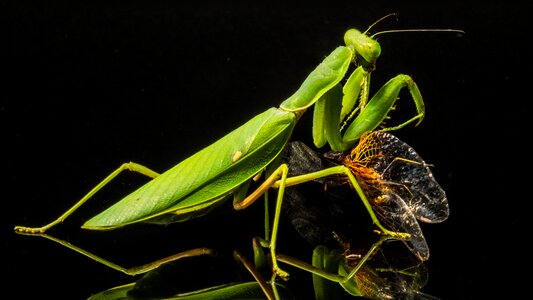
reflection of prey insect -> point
(397, 183)
(380, 274)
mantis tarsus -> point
(226, 167)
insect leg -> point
(129, 166)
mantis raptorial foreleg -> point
(328, 111)
(129, 166)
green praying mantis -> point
(343, 113)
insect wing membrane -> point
(401, 165)
(395, 213)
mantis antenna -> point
(406, 30)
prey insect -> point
(391, 176)
(399, 185)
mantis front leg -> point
(375, 112)
(331, 110)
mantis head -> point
(363, 45)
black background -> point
(89, 85)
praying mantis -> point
(343, 113)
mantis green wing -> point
(207, 177)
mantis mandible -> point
(201, 182)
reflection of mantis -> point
(226, 168)
(222, 281)
(381, 273)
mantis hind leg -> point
(129, 166)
